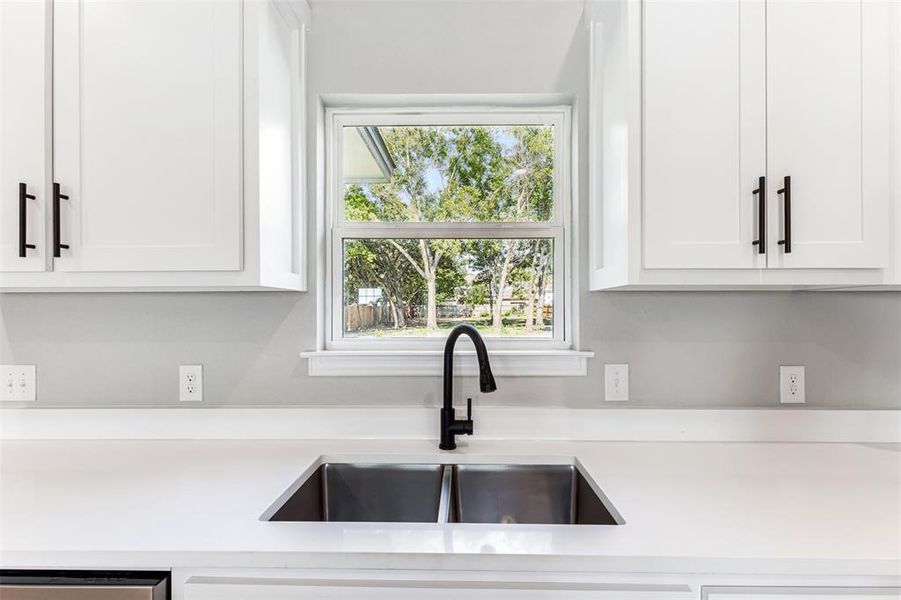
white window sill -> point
(429, 363)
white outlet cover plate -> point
(18, 383)
(616, 383)
(791, 385)
(190, 383)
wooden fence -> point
(364, 316)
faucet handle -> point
(469, 409)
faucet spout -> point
(486, 381)
(450, 426)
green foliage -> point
(475, 294)
(454, 174)
(467, 174)
(450, 278)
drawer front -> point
(800, 593)
(287, 590)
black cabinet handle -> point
(24, 196)
(57, 196)
(760, 192)
(787, 212)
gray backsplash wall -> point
(685, 349)
(701, 349)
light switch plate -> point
(18, 383)
(791, 385)
(616, 383)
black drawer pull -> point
(57, 196)
(787, 212)
(760, 192)
(24, 196)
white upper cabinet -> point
(829, 132)
(177, 143)
(24, 168)
(276, 165)
(147, 134)
(704, 132)
(896, 155)
(700, 114)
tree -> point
(530, 198)
(417, 152)
(394, 263)
(378, 263)
(457, 174)
(441, 175)
(536, 281)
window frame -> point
(558, 229)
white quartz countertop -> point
(689, 507)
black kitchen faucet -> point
(450, 426)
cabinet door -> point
(800, 593)
(704, 128)
(24, 73)
(147, 134)
(825, 71)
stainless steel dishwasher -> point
(83, 585)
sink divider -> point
(444, 501)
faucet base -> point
(447, 423)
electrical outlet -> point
(616, 383)
(18, 383)
(791, 385)
(190, 383)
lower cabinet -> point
(800, 593)
(352, 584)
(418, 590)
(366, 592)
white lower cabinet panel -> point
(800, 593)
(438, 584)
(284, 589)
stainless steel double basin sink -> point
(446, 493)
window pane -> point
(423, 287)
(448, 174)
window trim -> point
(550, 109)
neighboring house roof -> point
(366, 156)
